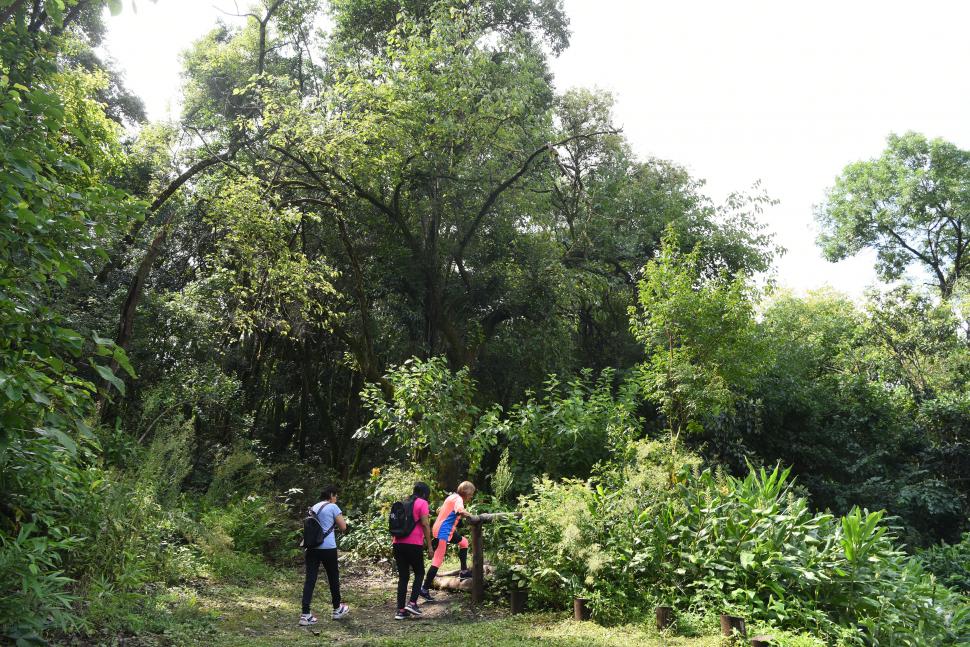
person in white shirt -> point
(331, 519)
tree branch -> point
(493, 197)
(8, 13)
(262, 35)
(114, 260)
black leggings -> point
(315, 557)
(409, 557)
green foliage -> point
(865, 404)
(699, 334)
(34, 585)
(239, 473)
(430, 417)
(909, 204)
(367, 22)
(426, 193)
(394, 483)
(56, 148)
(565, 433)
(502, 477)
(368, 536)
(914, 341)
(169, 459)
(253, 525)
(260, 281)
(950, 563)
(749, 546)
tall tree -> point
(425, 156)
(57, 147)
(699, 333)
(911, 205)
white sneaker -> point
(307, 619)
(340, 611)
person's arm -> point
(426, 524)
(341, 522)
(460, 509)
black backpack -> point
(313, 532)
(401, 521)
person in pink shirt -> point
(409, 553)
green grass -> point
(265, 614)
(253, 612)
(545, 629)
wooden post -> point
(731, 624)
(478, 564)
(478, 551)
(518, 598)
(581, 609)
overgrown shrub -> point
(431, 417)
(254, 525)
(367, 536)
(950, 563)
(502, 478)
(749, 546)
(57, 145)
(35, 595)
(238, 473)
(168, 459)
(566, 430)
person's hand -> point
(430, 553)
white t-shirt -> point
(327, 515)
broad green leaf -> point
(63, 439)
(107, 375)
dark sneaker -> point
(411, 608)
(426, 594)
(400, 615)
(465, 574)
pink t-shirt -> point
(417, 535)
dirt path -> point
(267, 613)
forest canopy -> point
(395, 244)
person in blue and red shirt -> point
(451, 512)
(409, 553)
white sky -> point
(735, 91)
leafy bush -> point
(254, 525)
(367, 536)
(950, 563)
(33, 584)
(431, 416)
(723, 544)
(56, 147)
(239, 473)
(168, 459)
(565, 432)
(502, 477)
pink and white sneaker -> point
(307, 619)
(340, 611)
